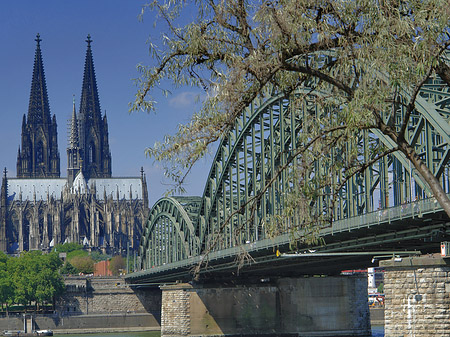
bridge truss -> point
(238, 203)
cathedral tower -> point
(39, 156)
(93, 128)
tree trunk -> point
(427, 175)
(443, 71)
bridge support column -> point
(313, 306)
(417, 291)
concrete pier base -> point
(417, 299)
(314, 306)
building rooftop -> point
(41, 189)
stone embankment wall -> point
(319, 306)
(417, 291)
(85, 323)
(93, 304)
(107, 295)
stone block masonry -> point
(107, 295)
(417, 291)
(175, 310)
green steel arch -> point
(264, 138)
(169, 235)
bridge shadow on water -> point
(377, 331)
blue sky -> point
(119, 44)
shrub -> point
(116, 264)
(84, 264)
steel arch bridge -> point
(265, 136)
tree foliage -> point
(32, 277)
(99, 256)
(68, 269)
(68, 247)
(364, 54)
(6, 286)
(71, 249)
(84, 264)
(77, 253)
(116, 264)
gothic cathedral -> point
(39, 209)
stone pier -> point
(417, 291)
(313, 306)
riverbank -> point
(114, 334)
(86, 323)
(104, 331)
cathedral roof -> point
(124, 188)
(117, 186)
(35, 187)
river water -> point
(377, 331)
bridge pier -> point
(307, 306)
(417, 291)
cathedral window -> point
(40, 153)
(91, 153)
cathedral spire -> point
(38, 109)
(73, 133)
(90, 103)
(74, 157)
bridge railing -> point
(415, 209)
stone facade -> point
(417, 299)
(324, 306)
